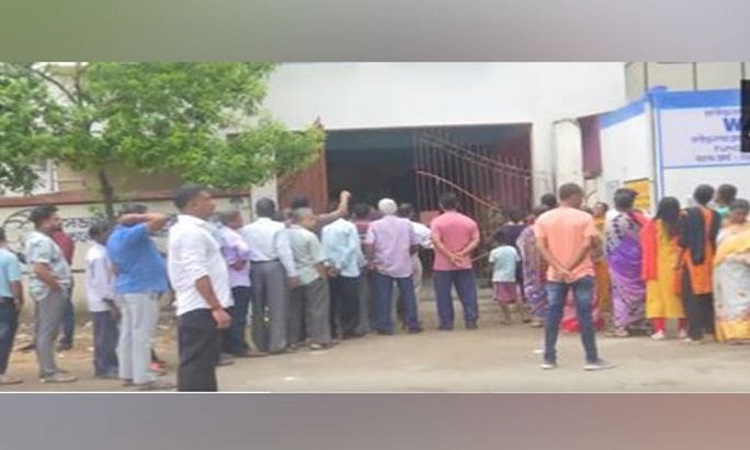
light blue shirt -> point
(504, 260)
(10, 271)
(343, 248)
(307, 252)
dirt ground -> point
(495, 358)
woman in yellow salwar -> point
(732, 277)
(661, 253)
(601, 268)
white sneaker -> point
(659, 336)
(548, 365)
(599, 365)
(682, 335)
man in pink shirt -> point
(565, 237)
(389, 244)
(455, 237)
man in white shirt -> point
(424, 235)
(200, 279)
(100, 295)
(273, 273)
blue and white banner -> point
(697, 137)
(699, 129)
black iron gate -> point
(487, 182)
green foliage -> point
(149, 117)
(25, 111)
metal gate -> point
(487, 182)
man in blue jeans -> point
(11, 303)
(455, 238)
(565, 237)
(389, 244)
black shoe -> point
(445, 328)
(472, 326)
(107, 376)
(385, 332)
(248, 354)
(284, 351)
(223, 362)
(64, 347)
(349, 336)
(416, 330)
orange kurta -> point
(603, 283)
(701, 276)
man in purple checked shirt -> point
(389, 246)
(236, 252)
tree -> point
(25, 107)
(154, 117)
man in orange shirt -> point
(565, 237)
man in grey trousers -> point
(273, 273)
(310, 301)
(140, 278)
(49, 281)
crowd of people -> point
(308, 280)
(689, 265)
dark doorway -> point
(378, 163)
(373, 175)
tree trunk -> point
(108, 194)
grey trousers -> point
(140, 315)
(270, 300)
(309, 309)
(49, 314)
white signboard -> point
(701, 137)
(698, 141)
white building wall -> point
(381, 95)
(568, 152)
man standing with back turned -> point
(200, 278)
(273, 272)
(565, 237)
(455, 237)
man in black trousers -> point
(200, 279)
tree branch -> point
(57, 84)
(77, 82)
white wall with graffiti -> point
(77, 219)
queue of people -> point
(310, 280)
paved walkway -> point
(495, 358)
